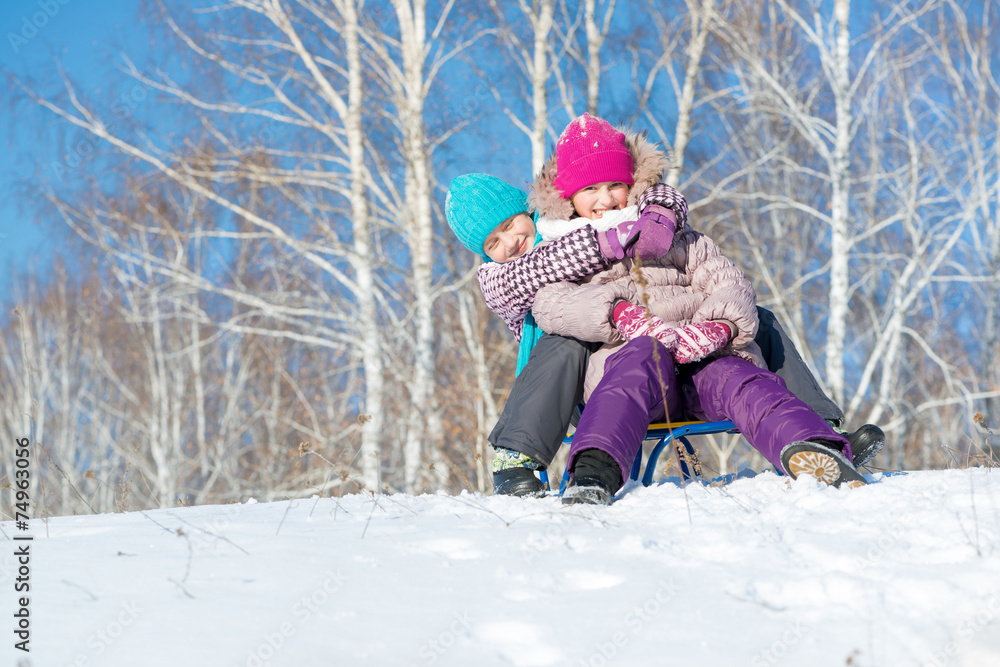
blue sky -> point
(87, 37)
(83, 35)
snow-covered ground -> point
(763, 571)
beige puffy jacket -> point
(693, 282)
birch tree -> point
(407, 70)
(828, 131)
(963, 45)
(473, 326)
(967, 53)
(597, 29)
(371, 340)
(410, 89)
(533, 62)
(678, 54)
(826, 38)
(596, 22)
(830, 137)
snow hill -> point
(764, 571)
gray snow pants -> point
(785, 361)
(544, 399)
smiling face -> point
(594, 200)
(510, 239)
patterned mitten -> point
(663, 195)
(647, 238)
(633, 321)
(697, 341)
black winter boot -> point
(519, 482)
(866, 442)
(596, 478)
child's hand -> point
(655, 230)
(611, 243)
(634, 321)
(647, 238)
(697, 341)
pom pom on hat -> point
(477, 203)
(591, 151)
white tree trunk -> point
(198, 377)
(836, 330)
(159, 408)
(29, 415)
(701, 17)
(542, 25)
(27, 356)
(423, 428)
(991, 332)
(486, 407)
(370, 338)
(595, 38)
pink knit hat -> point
(590, 151)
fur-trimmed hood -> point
(649, 161)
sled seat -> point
(664, 434)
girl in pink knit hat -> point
(677, 329)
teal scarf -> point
(530, 332)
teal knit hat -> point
(477, 203)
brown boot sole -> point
(826, 467)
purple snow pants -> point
(630, 397)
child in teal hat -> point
(482, 208)
(490, 217)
